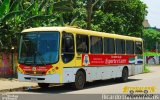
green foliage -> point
(122, 17)
(18, 14)
(29, 9)
(42, 5)
(37, 17)
(63, 6)
(151, 36)
(11, 15)
(151, 54)
(15, 5)
(146, 69)
(78, 16)
(106, 22)
(4, 7)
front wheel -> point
(43, 85)
(79, 81)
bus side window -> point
(96, 44)
(67, 47)
(109, 46)
(129, 47)
(82, 43)
(138, 47)
(120, 46)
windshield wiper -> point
(26, 61)
(41, 58)
(27, 58)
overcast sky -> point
(153, 12)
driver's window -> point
(67, 47)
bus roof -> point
(81, 31)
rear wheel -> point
(124, 77)
(43, 85)
(79, 80)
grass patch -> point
(151, 54)
(146, 69)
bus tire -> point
(79, 81)
(124, 77)
(43, 85)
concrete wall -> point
(152, 60)
(6, 68)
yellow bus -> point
(75, 56)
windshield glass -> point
(39, 48)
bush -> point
(146, 68)
(151, 54)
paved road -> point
(107, 86)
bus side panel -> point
(101, 72)
(69, 74)
(138, 69)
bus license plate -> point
(33, 79)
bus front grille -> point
(38, 73)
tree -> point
(8, 12)
(20, 14)
(123, 17)
(78, 16)
(89, 7)
(120, 17)
(127, 16)
(151, 36)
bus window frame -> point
(141, 48)
(62, 53)
(133, 47)
(59, 51)
(101, 44)
(113, 44)
(123, 52)
(87, 45)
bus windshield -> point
(39, 48)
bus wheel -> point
(43, 85)
(124, 77)
(79, 80)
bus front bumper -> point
(54, 78)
